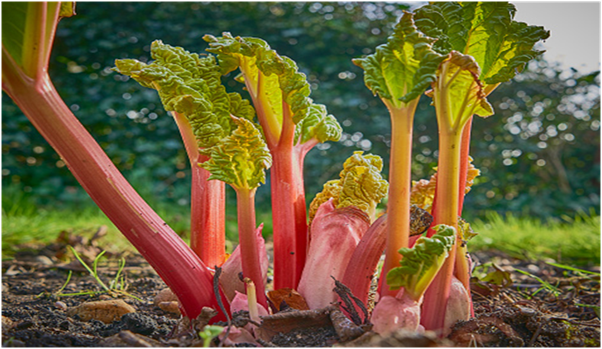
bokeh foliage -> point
(539, 154)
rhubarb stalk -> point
(207, 203)
(399, 72)
(240, 160)
(31, 89)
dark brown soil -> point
(526, 312)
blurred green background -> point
(539, 155)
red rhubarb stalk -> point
(26, 81)
(207, 203)
(173, 260)
(240, 160)
(289, 218)
(362, 266)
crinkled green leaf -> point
(403, 68)
(241, 107)
(485, 30)
(190, 85)
(278, 75)
(318, 125)
(360, 185)
(420, 264)
(239, 159)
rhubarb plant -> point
(190, 88)
(484, 47)
(463, 51)
(240, 160)
(292, 124)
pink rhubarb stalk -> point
(280, 94)
(207, 203)
(289, 213)
(231, 269)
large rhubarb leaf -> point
(402, 69)
(487, 31)
(190, 85)
(421, 263)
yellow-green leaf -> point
(360, 185)
(403, 68)
(27, 29)
(239, 159)
(420, 264)
(190, 85)
(270, 78)
(485, 30)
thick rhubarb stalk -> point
(174, 261)
(251, 261)
(446, 212)
(400, 184)
(288, 208)
(207, 203)
(289, 212)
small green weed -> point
(208, 333)
(117, 286)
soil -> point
(542, 306)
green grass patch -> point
(575, 241)
(23, 221)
